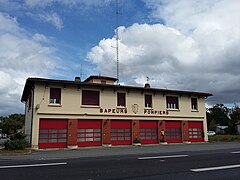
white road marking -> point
(33, 165)
(163, 157)
(215, 168)
(236, 152)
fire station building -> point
(98, 112)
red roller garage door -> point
(173, 132)
(148, 132)
(121, 132)
(52, 133)
(195, 131)
(89, 133)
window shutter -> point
(90, 98)
(194, 103)
(148, 100)
(172, 102)
(55, 93)
(121, 100)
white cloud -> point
(52, 18)
(196, 48)
(20, 57)
(9, 24)
(40, 38)
(148, 48)
(43, 9)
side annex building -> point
(98, 112)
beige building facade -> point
(98, 112)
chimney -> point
(77, 79)
(147, 85)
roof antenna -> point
(117, 39)
(147, 85)
(148, 79)
(81, 72)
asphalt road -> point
(207, 164)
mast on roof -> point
(117, 39)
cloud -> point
(43, 9)
(52, 18)
(40, 38)
(195, 49)
(155, 48)
(10, 5)
(21, 56)
(68, 3)
(10, 24)
(38, 3)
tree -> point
(218, 113)
(11, 123)
(17, 117)
(235, 119)
(235, 114)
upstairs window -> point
(90, 98)
(121, 99)
(172, 102)
(55, 96)
(148, 101)
(194, 103)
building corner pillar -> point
(135, 131)
(72, 134)
(185, 133)
(161, 131)
(106, 132)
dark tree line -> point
(10, 124)
(223, 116)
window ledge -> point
(173, 109)
(148, 108)
(121, 107)
(194, 110)
(89, 106)
(54, 105)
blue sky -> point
(77, 27)
(180, 44)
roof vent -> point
(77, 79)
(147, 85)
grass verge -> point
(12, 152)
(224, 138)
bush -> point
(17, 142)
(19, 136)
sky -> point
(179, 44)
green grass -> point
(224, 138)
